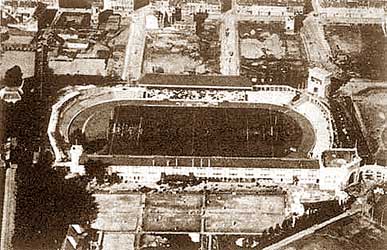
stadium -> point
(214, 129)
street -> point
(229, 58)
(135, 47)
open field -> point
(257, 129)
(168, 242)
(171, 219)
(179, 212)
(359, 50)
(243, 213)
(169, 200)
(269, 56)
(118, 212)
(373, 108)
(202, 132)
(116, 240)
(172, 212)
(178, 52)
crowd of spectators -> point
(197, 95)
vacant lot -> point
(162, 219)
(170, 200)
(358, 49)
(243, 212)
(118, 212)
(118, 241)
(182, 52)
(373, 108)
(269, 56)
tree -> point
(46, 205)
(13, 77)
(96, 169)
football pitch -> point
(204, 131)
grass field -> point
(189, 131)
(373, 108)
(365, 46)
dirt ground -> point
(271, 45)
(359, 50)
(182, 52)
(373, 108)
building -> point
(23, 10)
(78, 238)
(268, 8)
(122, 7)
(335, 170)
(12, 95)
(319, 82)
(344, 11)
(339, 168)
(188, 7)
(191, 7)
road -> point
(316, 46)
(229, 58)
(135, 46)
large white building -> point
(335, 170)
(344, 11)
(122, 7)
(268, 8)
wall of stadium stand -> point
(307, 173)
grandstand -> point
(85, 109)
(251, 133)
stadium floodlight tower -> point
(319, 81)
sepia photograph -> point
(193, 124)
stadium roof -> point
(185, 161)
(199, 81)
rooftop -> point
(320, 71)
(230, 162)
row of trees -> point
(290, 226)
